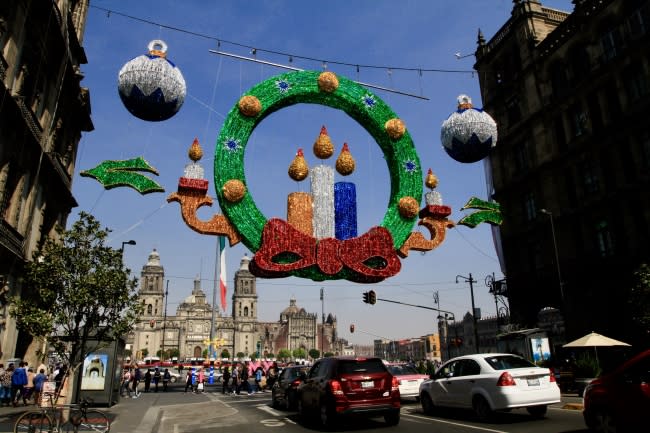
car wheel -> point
(289, 401)
(537, 411)
(327, 417)
(274, 401)
(427, 404)
(604, 422)
(392, 418)
(173, 379)
(482, 408)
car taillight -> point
(506, 379)
(295, 383)
(552, 377)
(335, 387)
(394, 386)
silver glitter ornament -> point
(151, 86)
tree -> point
(299, 353)
(225, 353)
(314, 353)
(77, 294)
(639, 302)
(241, 355)
(284, 354)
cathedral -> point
(196, 321)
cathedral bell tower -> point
(151, 294)
(244, 310)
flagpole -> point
(217, 270)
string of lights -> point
(255, 50)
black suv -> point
(343, 386)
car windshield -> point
(505, 362)
(295, 372)
(399, 370)
(352, 366)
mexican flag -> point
(222, 271)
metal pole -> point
(557, 257)
(471, 282)
(217, 264)
(322, 328)
(162, 352)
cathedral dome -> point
(291, 309)
(154, 258)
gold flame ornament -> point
(298, 169)
(323, 147)
(431, 180)
(195, 153)
(345, 164)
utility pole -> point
(322, 328)
(471, 282)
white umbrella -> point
(595, 340)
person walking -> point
(259, 373)
(18, 382)
(5, 390)
(39, 380)
(135, 380)
(243, 380)
(235, 379)
(224, 380)
(29, 386)
(200, 381)
(147, 381)
(156, 379)
(166, 377)
(126, 381)
(188, 381)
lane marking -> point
(458, 424)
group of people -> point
(23, 384)
(132, 377)
(237, 378)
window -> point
(588, 176)
(149, 309)
(521, 158)
(636, 82)
(610, 43)
(245, 311)
(530, 210)
(604, 241)
(578, 120)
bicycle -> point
(50, 419)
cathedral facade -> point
(198, 325)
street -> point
(177, 412)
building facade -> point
(571, 170)
(189, 331)
(43, 112)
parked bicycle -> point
(52, 418)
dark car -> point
(337, 387)
(285, 390)
(619, 401)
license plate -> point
(367, 384)
(533, 382)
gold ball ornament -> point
(323, 147)
(408, 207)
(234, 190)
(298, 169)
(249, 106)
(431, 180)
(395, 128)
(195, 153)
(328, 82)
(345, 162)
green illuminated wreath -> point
(325, 89)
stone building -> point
(571, 170)
(43, 112)
(190, 329)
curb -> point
(573, 406)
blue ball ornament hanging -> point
(151, 86)
(469, 133)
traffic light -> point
(366, 297)
(352, 329)
(372, 297)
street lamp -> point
(471, 282)
(131, 242)
(557, 259)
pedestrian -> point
(166, 377)
(200, 381)
(39, 380)
(59, 376)
(126, 380)
(156, 378)
(18, 382)
(135, 380)
(272, 375)
(235, 379)
(259, 373)
(188, 381)
(29, 386)
(5, 390)
(224, 380)
(243, 380)
(147, 380)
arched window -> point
(245, 311)
(149, 309)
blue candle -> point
(345, 210)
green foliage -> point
(76, 292)
(299, 353)
(586, 365)
(270, 355)
(145, 352)
(314, 353)
(173, 353)
(328, 354)
(639, 299)
(284, 354)
(225, 353)
(241, 355)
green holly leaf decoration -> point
(113, 174)
(490, 212)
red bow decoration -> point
(285, 249)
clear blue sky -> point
(398, 34)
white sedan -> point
(488, 382)
(408, 379)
